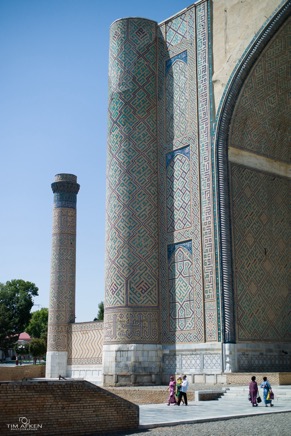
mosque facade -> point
(197, 210)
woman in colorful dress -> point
(172, 391)
(178, 388)
(266, 388)
(253, 391)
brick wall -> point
(64, 408)
(147, 395)
(11, 373)
(275, 378)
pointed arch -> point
(224, 118)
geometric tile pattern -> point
(136, 326)
(267, 91)
(241, 123)
(261, 236)
(260, 202)
(181, 290)
(132, 219)
(212, 361)
(136, 228)
(63, 262)
(251, 362)
(176, 30)
(176, 363)
(206, 169)
(191, 362)
(178, 189)
(177, 97)
(179, 193)
(85, 342)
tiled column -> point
(131, 321)
(63, 272)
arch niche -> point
(253, 157)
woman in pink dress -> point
(172, 391)
(253, 391)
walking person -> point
(266, 388)
(183, 392)
(172, 391)
(178, 388)
(253, 391)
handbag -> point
(249, 397)
(271, 395)
(259, 399)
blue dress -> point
(266, 387)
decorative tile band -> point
(131, 326)
(206, 174)
(65, 189)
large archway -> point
(253, 144)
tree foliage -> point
(37, 327)
(16, 301)
(100, 314)
(21, 349)
(37, 348)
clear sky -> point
(53, 119)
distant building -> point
(23, 338)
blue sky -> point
(53, 119)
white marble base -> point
(245, 357)
(56, 364)
(133, 364)
(91, 373)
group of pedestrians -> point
(178, 391)
(254, 397)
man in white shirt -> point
(183, 392)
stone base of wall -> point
(202, 363)
(275, 378)
(64, 408)
(20, 372)
(257, 357)
(147, 395)
(132, 364)
(86, 372)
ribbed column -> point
(63, 272)
(131, 301)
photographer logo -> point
(24, 424)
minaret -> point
(131, 351)
(63, 273)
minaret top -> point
(65, 189)
(65, 178)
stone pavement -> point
(234, 404)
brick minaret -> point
(63, 272)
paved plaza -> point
(234, 404)
(231, 415)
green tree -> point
(21, 349)
(16, 301)
(100, 314)
(37, 327)
(37, 348)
